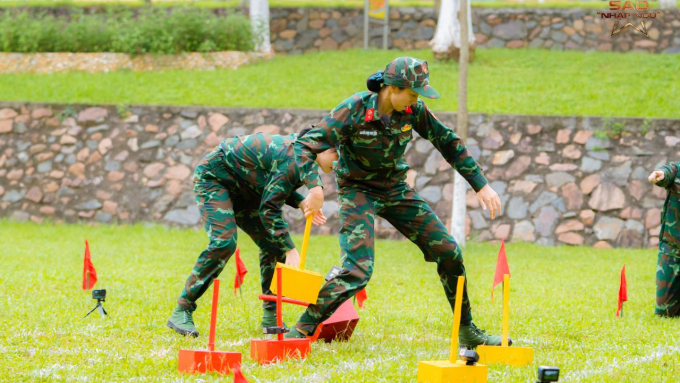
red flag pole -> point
(213, 315)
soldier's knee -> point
(223, 249)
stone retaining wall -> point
(296, 31)
(299, 30)
(561, 179)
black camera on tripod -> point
(100, 296)
(548, 374)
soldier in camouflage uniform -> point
(668, 266)
(371, 131)
(244, 182)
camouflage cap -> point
(409, 72)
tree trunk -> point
(446, 41)
(458, 210)
(259, 17)
(668, 4)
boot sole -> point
(470, 347)
(180, 331)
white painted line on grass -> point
(657, 354)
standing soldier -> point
(371, 131)
(668, 266)
(244, 182)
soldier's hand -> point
(656, 176)
(292, 258)
(319, 218)
(488, 197)
(314, 201)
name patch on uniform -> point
(406, 128)
(368, 133)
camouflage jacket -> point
(372, 148)
(263, 165)
(669, 237)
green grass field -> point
(563, 304)
(526, 81)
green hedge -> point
(149, 30)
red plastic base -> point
(340, 325)
(202, 361)
(267, 351)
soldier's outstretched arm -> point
(670, 172)
(455, 152)
(449, 145)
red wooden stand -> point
(267, 351)
(202, 361)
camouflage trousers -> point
(223, 208)
(413, 217)
(667, 285)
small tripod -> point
(100, 296)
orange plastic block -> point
(202, 361)
(340, 325)
(268, 351)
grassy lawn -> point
(312, 3)
(563, 305)
(524, 81)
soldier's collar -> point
(371, 107)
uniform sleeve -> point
(670, 172)
(294, 199)
(449, 145)
(321, 137)
(279, 190)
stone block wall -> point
(562, 180)
(300, 30)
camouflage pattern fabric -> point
(244, 182)
(409, 72)
(371, 173)
(668, 265)
(413, 217)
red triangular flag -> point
(238, 375)
(361, 297)
(623, 291)
(89, 273)
(502, 267)
(240, 270)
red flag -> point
(240, 271)
(623, 291)
(89, 273)
(502, 267)
(238, 375)
(361, 297)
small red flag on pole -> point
(240, 271)
(361, 297)
(502, 267)
(238, 375)
(89, 273)
(623, 292)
